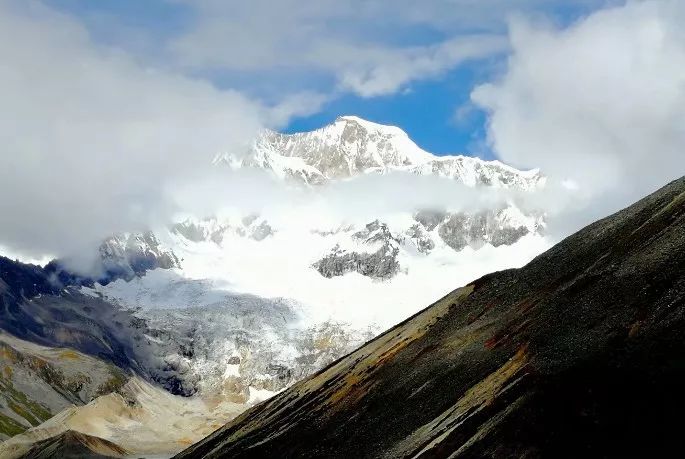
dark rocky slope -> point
(74, 445)
(581, 353)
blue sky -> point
(426, 112)
(433, 108)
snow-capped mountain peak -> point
(349, 146)
(352, 146)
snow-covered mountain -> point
(243, 302)
(246, 287)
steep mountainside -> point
(244, 303)
(37, 382)
(352, 148)
(577, 354)
(66, 355)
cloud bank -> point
(598, 106)
(92, 141)
(358, 200)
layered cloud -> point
(599, 106)
(369, 48)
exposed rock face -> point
(421, 239)
(375, 250)
(577, 354)
(376, 232)
(261, 231)
(36, 308)
(211, 229)
(460, 230)
(134, 254)
(476, 172)
(325, 343)
(430, 219)
(457, 230)
(206, 230)
(381, 264)
(236, 351)
(249, 343)
(235, 348)
(293, 169)
(348, 147)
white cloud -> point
(600, 104)
(91, 141)
(370, 48)
(374, 72)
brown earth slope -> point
(581, 353)
(36, 382)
